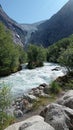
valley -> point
(36, 69)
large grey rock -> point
(30, 97)
(33, 123)
(58, 116)
(18, 113)
(67, 99)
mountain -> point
(45, 32)
(17, 32)
(21, 32)
(57, 27)
(30, 29)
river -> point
(26, 79)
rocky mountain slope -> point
(17, 32)
(45, 32)
(21, 32)
(57, 27)
(30, 29)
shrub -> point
(5, 101)
(36, 56)
(55, 88)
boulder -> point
(44, 95)
(56, 69)
(47, 89)
(67, 99)
(37, 92)
(33, 123)
(26, 106)
(18, 113)
(58, 116)
(30, 98)
(43, 85)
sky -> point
(31, 11)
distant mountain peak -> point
(46, 32)
(57, 27)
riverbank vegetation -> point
(12, 55)
(36, 56)
(62, 53)
(5, 101)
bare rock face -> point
(17, 32)
(45, 32)
(67, 99)
(33, 123)
(57, 27)
(59, 117)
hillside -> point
(17, 33)
(45, 32)
(57, 27)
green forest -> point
(12, 55)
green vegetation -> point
(5, 100)
(10, 54)
(22, 55)
(66, 82)
(55, 88)
(66, 58)
(62, 53)
(55, 50)
(36, 56)
(69, 85)
(43, 101)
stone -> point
(26, 106)
(41, 88)
(67, 99)
(43, 85)
(32, 123)
(56, 69)
(30, 98)
(37, 92)
(58, 116)
(44, 95)
(47, 89)
(25, 102)
(31, 92)
(18, 113)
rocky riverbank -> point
(39, 109)
(55, 116)
(32, 102)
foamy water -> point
(26, 79)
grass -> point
(43, 101)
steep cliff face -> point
(16, 30)
(59, 26)
(21, 32)
(45, 32)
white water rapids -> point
(26, 79)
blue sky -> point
(30, 11)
